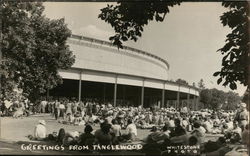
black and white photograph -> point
(143, 77)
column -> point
(115, 91)
(80, 87)
(198, 99)
(195, 103)
(142, 93)
(178, 98)
(123, 94)
(188, 99)
(163, 96)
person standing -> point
(62, 109)
(57, 109)
(69, 108)
(52, 108)
(243, 116)
(74, 106)
(43, 105)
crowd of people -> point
(15, 105)
(167, 126)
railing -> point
(101, 42)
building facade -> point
(125, 76)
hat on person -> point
(42, 122)
(243, 105)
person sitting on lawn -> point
(61, 136)
(131, 130)
(157, 136)
(103, 135)
(198, 132)
(178, 130)
(116, 128)
(87, 138)
(40, 130)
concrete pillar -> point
(123, 94)
(193, 105)
(80, 87)
(197, 102)
(163, 97)
(178, 97)
(142, 94)
(115, 91)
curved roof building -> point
(122, 76)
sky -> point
(188, 38)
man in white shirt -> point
(40, 130)
(43, 105)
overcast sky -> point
(188, 38)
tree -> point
(201, 84)
(205, 97)
(129, 18)
(181, 82)
(232, 100)
(217, 99)
(236, 50)
(34, 48)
